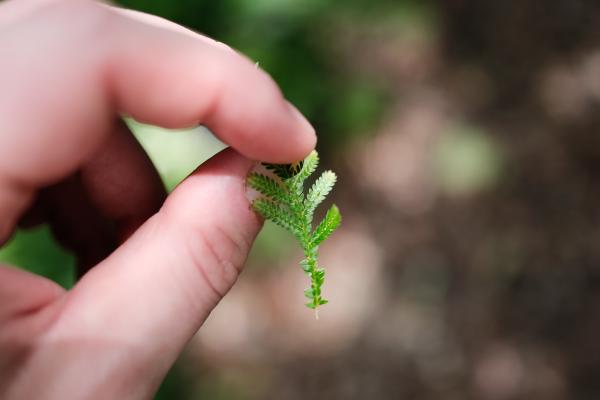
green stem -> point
(297, 208)
(312, 262)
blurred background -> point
(465, 136)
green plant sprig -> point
(285, 203)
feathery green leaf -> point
(330, 223)
(276, 213)
(309, 166)
(286, 205)
(317, 193)
(267, 186)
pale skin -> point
(157, 265)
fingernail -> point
(303, 123)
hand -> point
(68, 69)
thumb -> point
(155, 291)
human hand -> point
(68, 69)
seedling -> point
(285, 203)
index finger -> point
(70, 68)
(198, 80)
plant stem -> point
(306, 229)
(312, 262)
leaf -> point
(329, 224)
(267, 186)
(317, 193)
(295, 183)
(319, 276)
(286, 204)
(276, 213)
(311, 162)
(305, 265)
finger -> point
(101, 205)
(114, 63)
(28, 305)
(12, 11)
(76, 223)
(23, 293)
(122, 183)
(155, 291)
(241, 103)
(162, 23)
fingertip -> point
(306, 132)
(221, 182)
(257, 120)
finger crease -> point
(201, 264)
